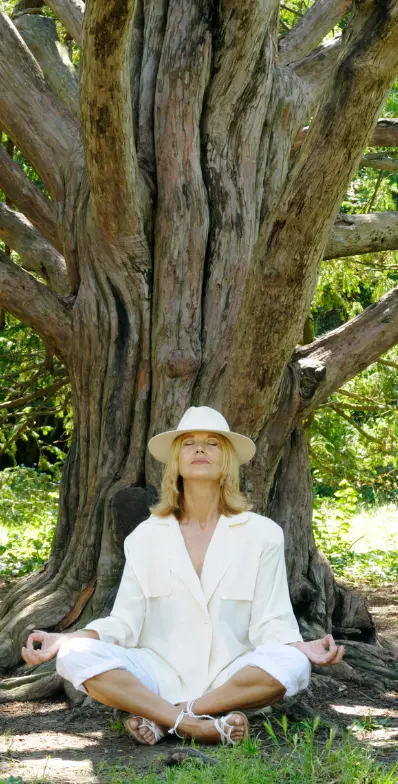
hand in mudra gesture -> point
(322, 652)
(50, 645)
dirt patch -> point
(382, 604)
(48, 742)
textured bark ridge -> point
(186, 212)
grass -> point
(297, 754)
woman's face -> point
(200, 456)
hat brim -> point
(160, 445)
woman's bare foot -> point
(205, 731)
(145, 733)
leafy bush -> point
(335, 535)
(28, 513)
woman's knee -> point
(72, 656)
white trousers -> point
(81, 658)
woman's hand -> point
(50, 645)
(321, 652)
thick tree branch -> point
(385, 134)
(388, 363)
(33, 203)
(37, 255)
(71, 14)
(266, 331)
(364, 433)
(330, 361)
(235, 134)
(115, 180)
(38, 394)
(41, 37)
(316, 69)
(182, 219)
(381, 162)
(34, 304)
(352, 235)
(311, 29)
(32, 115)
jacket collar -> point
(224, 547)
(171, 519)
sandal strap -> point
(178, 721)
(190, 711)
(220, 725)
(193, 715)
(152, 726)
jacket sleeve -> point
(272, 618)
(123, 626)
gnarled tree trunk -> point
(189, 214)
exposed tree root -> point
(38, 683)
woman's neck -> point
(201, 501)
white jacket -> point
(192, 629)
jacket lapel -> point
(173, 549)
(224, 547)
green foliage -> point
(27, 371)
(12, 780)
(299, 753)
(28, 512)
(362, 548)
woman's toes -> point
(238, 727)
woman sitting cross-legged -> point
(202, 625)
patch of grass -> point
(117, 725)
(28, 513)
(299, 754)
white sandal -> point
(144, 723)
(220, 724)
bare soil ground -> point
(48, 742)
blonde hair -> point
(171, 501)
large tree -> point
(188, 204)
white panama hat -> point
(201, 418)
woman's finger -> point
(35, 636)
(30, 656)
(330, 643)
(339, 655)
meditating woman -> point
(202, 624)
